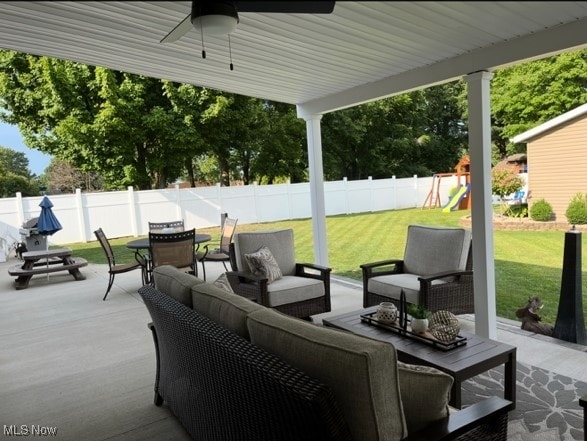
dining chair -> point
(220, 253)
(175, 249)
(114, 268)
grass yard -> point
(527, 263)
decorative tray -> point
(427, 337)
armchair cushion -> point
(291, 289)
(425, 393)
(391, 286)
(262, 263)
(279, 242)
(226, 309)
(431, 250)
(360, 371)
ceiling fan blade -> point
(286, 7)
(178, 31)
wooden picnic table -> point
(45, 262)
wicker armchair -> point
(304, 289)
(436, 272)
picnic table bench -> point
(45, 262)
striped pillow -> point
(263, 264)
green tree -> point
(505, 181)
(526, 95)
(15, 175)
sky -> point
(11, 138)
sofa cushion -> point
(425, 393)
(361, 372)
(223, 283)
(431, 250)
(262, 263)
(226, 309)
(175, 283)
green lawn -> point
(526, 262)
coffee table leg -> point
(455, 394)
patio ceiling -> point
(362, 51)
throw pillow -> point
(425, 393)
(263, 264)
(223, 283)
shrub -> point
(504, 181)
(541, 211)
(577, 210)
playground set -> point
(461, 200)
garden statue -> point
(531, 321)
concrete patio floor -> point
(70, 361)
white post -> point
(19, 208)
(478, 87)
(178, 207)
(314, 138)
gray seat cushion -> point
(431, 250)
(391, 286)
(361, 372)
(279, 242)
(292, 289)
(175, 283)
(227, 309)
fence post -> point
(178, 207)
(416, 191)
(19, 208)
(133, 211)
(393, 193)
(371, 196)
(81, 221)
(346, 195)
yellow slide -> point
(456, 199)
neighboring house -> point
(557, 159)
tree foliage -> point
(526, 95)
(15, 175)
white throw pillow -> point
(263, 264)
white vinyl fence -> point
(127, 213)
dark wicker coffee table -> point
(478, 355)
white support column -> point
(314, 138)
(478, 86)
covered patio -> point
(360, 52)
(87, 367)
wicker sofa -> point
(231, 369)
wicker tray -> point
(424, 338)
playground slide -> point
(456, 199)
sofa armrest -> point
(479, 421)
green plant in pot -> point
(420, 315)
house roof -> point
(360, 52)
(551, 124)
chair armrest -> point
(316, 271)
(369, 268)
(488, 411)
(249, 285)
(430, 278)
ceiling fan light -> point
(215, 24)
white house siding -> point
(557, 165)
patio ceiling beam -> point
(534, 46)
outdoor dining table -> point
(139, 245)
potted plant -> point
(420, 315)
